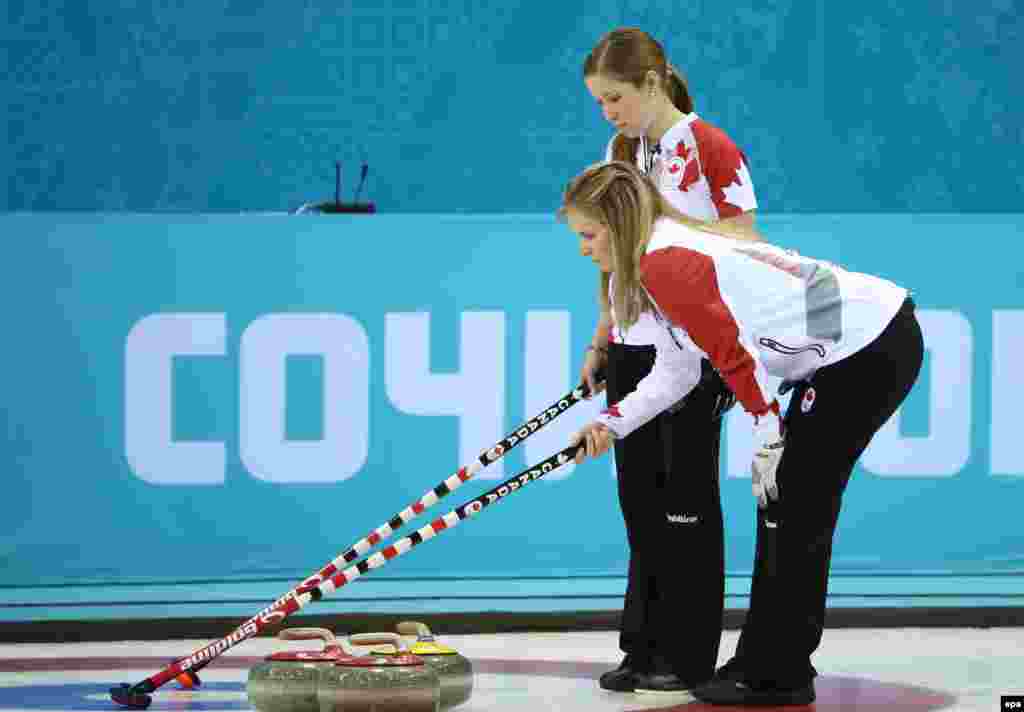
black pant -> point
(668, 489)
(852, 399)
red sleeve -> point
(684, 284)
(721, 160)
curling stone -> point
(454, 671)
(391, 680)
(288, 681)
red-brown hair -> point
(627, 54)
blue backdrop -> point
(199, 407)
(478, 105)
(214, 399)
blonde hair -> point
(627, 54)
(627, 203)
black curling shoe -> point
(664, 683)
(622, 678)
(735, 692)
(662, 679)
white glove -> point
(769, 444)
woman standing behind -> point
(847, 342)
(668, 469)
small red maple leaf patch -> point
(690, 176)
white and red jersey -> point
(704, 175)
(752, 309)
(699, 169)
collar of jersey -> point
(675, 134)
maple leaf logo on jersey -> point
(690, 176)
(613, 411)
(739, 192)
(682, 168)
(807, 402)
